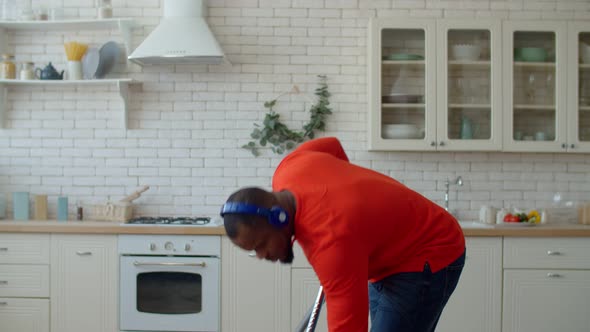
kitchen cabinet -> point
(435, 85)
(476, 304)
(254, 293)
(24, 282)
(546, 285)
(84, 283)
(546, 96)
(122, 85)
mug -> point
(487, 214)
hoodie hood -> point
(182, 37)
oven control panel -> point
(177, 245)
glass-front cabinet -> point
(469, 107)
(578, 117)
(535, 85)
(434, 85)
(402, 93)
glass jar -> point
(7, 67)
(105, 9)
(27, 71)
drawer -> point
(24, 315)
(553, 253)
(24, 248)
(24, 280)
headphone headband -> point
(276, 215)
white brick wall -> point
(187, 123)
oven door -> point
(169, 293)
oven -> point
(169, 283)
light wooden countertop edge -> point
(103, 227)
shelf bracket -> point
(124, 93)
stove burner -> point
(170, 220)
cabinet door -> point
(402, 92)
(304, 290)
(469, 107)
(475, 305)
(546, 301)
(84, 274)
(578, 117)
(24, 315)
(535, 78)
(255, 293)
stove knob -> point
(187, 247)
(169, 246)
(152, 246)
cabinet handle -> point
(572, 146)
(136, 263)
(553, 253)
(83, 253)
(433, 143)
(3, 249)
(563, 145)
(442, 143)
(553, 275)
(3, 303)
(3, 282)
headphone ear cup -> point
(278, 217)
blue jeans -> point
(412, 302)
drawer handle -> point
(3, 249)
(83, 253)
(3, 303)
(553, 253)
(3, 282)
(553, 275)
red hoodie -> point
(355, 224)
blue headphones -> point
(276, 215)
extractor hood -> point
(182, 37)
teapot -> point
(468, 128)
(49, 73)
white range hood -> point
(182, 37)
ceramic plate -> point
(517, 224)
(109, 53)
(90, 63)
(403, 56)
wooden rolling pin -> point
(135, 195)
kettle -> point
(49, 73)
(468, 128)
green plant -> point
(279, 136)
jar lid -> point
(7, 55)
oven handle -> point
(136, 263)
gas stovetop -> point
(184, 221)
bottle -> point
(105, 9)
(7, 67)
(79, 211)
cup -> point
(2, 206)
(487, 214)
(540, 136)
(20, 205)
(74, 70)
(40, 207)
(62, 208)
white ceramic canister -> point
(487, 214)
(74, 70)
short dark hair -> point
(250, 195)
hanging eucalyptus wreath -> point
(279, 136)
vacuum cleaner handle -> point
(312, 315)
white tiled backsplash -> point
(187, 123)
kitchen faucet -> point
(459, 182)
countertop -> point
(105, 227)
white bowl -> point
(407, 131)
(465, 52)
